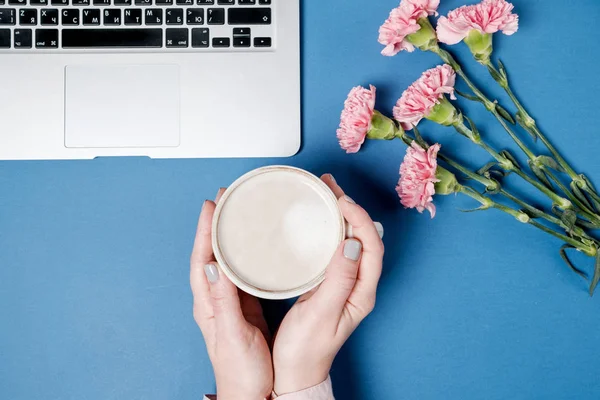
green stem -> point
(528, 122)
(490, 184)
(530, 125)
(486, 202)
(583, 209)
(541, 214)
(508, 165)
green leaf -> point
(521, 122)
(420, 139)
(502, 69)
(540, 174)
(580, 196)
(596, 277)
(505, 114)
(495, 74)
(473, 127)
(512, 159)
(486, 167)
(569, 218)
(592, 192)
(482, 208)
(468, 96)
(549, 162)
(565, 257)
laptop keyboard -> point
(109, 25)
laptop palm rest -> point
(139, 103)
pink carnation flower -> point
(489, 16)
(418, 100)
(418, 177)
(355, 121)
(403, 22)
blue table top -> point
(94, 255)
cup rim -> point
(231, 274)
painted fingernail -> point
(212, 272)
(352, 249)
(349, 200)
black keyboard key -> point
(81, 2)
(221, 42)
(215, 16)
(206, 2)
(122, 2)
(249, 16)
(128, 37)
(185, 2)
(133, 16)
(175, 16)
(226, 2)
(38, 2)
(200, 37)
(60, 2)
(102, 2)
(246, 2)
(17, 2)
(91, 16)
(23, 38)
(195, 16)
(154, 16)
(8, 16)
(46, 38)
(262, 42)
(28, 16)
(241, 42)
(241, 32)
(4, 38)
(264, 2)
(70, 17)
(49, 17)
(112, 16)
(2, 2)
(177, 37)
(143, 2)
(164, 2)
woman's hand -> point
(321, 321)
(231, 321)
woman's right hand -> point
(321, 321)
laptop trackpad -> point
(122, 106)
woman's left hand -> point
(231, 321)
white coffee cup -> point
(275, 230)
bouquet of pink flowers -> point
(575, 204)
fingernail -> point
(349, 199)
(332, 178)
(212, 272)
(352, 249)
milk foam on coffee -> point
(277, 231)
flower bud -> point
(480, 45)
(444, 113)
(425, 38)
(383, 128)
(447, 182)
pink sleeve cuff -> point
(323, 391)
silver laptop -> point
(160, 78)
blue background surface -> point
(94, 297)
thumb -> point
(224, 298)
(340, 278)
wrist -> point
(295, 379)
